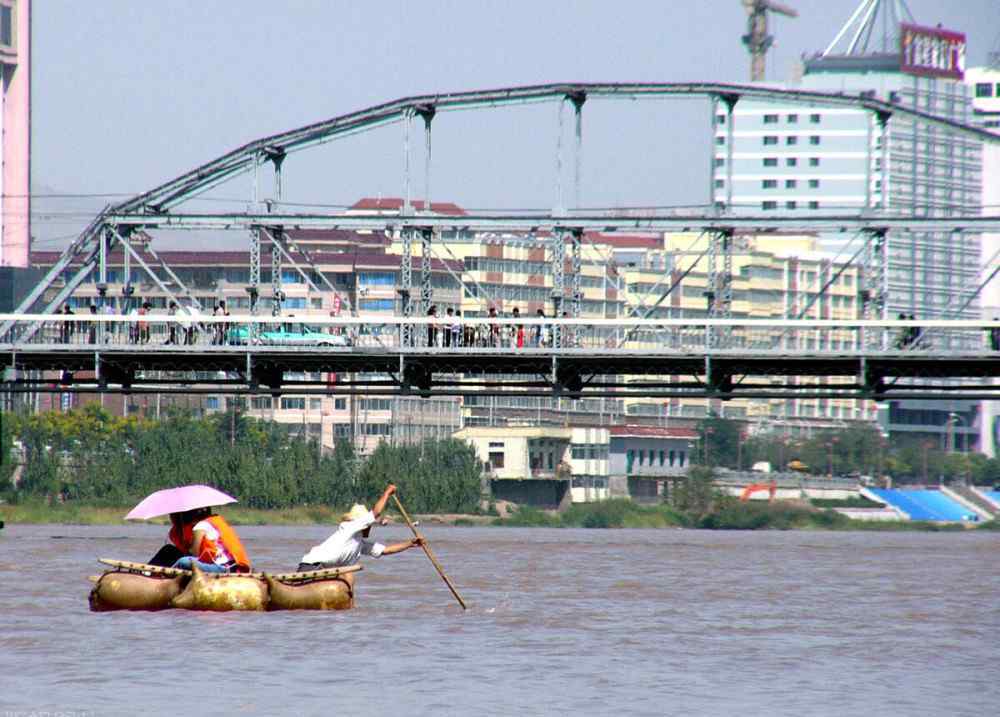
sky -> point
(127, 95)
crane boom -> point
(757, 39)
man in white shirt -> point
(351, 539)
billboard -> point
(931, 52)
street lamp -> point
(830, 444)
(950, 425)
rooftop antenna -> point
(873, 29)
(757, 40)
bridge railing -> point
(159, 331)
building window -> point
(793, 119)
(212, 403)
(340, 404)
(814, 119)
(260, 403)
(768, 183)
(770, 119)
(720, 140)
(663, 456)
(341, 430)
(791, 140)
(814, 139)
(814, 161)
(376, 278)
(496, 459)
(790, 205)
(770, 139)
(293, 404)
(814, 204)
(720, 183)
(720, 119)
(6, 25)
(720, 162)
(768, 205)
(983, 89)
(791, 183)
(814, 184)
(314, 404)
(770, 161)
(375, 304)
(672, 455)
(791, 162)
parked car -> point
(286, 334)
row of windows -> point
(375, 404)
(985, 89)
(791, 204)
(648, 457)
(790, 118)
(789, 183)
(773, 162)
(790, 140)
(592, 452)
(789, 161)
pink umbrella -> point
(178, 500)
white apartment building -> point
(807, 159)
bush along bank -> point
(697, 504)
(88, 457)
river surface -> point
(562, 622)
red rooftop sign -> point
(932, 51)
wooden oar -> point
(427, 549)
(284, 577)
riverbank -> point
(730, 515)
(77, 514)
(607, 514)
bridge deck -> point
(579, 371)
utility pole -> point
(757, 39)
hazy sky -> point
(128, 94)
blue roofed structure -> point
(923, 504)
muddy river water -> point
(561, 622)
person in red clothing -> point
(207, 541)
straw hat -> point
(357, 511)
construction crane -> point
(757, 40)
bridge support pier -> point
(558, 244)
(426, 287)
(874, 290)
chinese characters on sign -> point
(932, 52)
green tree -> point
(723, 438)
(696, 494)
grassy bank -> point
(617, 513)
(77, 514)
(728, 515)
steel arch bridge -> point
(163, 208)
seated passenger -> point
(350, 541)
(208, 541)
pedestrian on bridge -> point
(432, 329)
(172, 326)
(538, 339)
(66, 335)
(518, 332)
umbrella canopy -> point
(178, 500)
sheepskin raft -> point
(137, 586)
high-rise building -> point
(807, 160)
(984, 83)
(15, 131)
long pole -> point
(427, 549)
